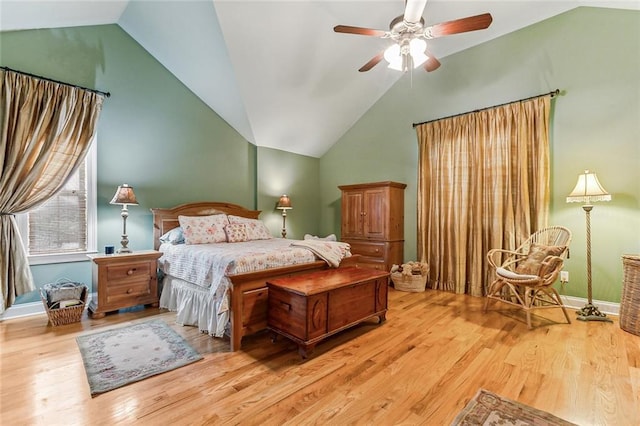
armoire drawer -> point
(369, 249)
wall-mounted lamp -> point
(124, 196)
(284, 204)
(588, 190)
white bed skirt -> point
(195, 306)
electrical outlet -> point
(564, 276)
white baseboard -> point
(23, 310)
(608, 308)
(36, 308)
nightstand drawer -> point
(127, 291)
(128, 271)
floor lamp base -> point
(591, 313)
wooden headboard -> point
(165, 220)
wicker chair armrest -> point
(550, 269)
(495, 257)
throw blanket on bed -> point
(331, 252)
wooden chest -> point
(308, 308)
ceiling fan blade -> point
(358, 30)
(413, 10)
(463, 25)
(432, 63)
(372, 63)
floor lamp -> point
(284, 204)
(588, 190)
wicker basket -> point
(630, 301)
(414, 283)
(68, 315)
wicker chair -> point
(525, 277)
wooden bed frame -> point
(248, 291)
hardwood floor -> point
(419, 367)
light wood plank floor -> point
(419, 367)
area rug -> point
(487, 408)
(124, 355)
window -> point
(64, 228)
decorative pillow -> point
(256, 229)
(537, 253)
(174, 236)
(204, 229)
(236, 232)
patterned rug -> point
(115, 358)
(487, 408)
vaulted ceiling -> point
(275, 70)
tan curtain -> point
(45, 132)
(483, 182)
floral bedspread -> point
(206, 264)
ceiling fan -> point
(408, 33)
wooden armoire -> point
(373, 222)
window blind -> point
(60, 225)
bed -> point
(237, 300)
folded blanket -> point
(331, 252)
(331, 237)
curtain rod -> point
(105, 94)
(552, 94)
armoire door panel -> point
(375, 216)
(352, 215)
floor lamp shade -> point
(588, 189)
(284, 204)
(124, 196)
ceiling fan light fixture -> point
(409, 55)
(394, 57)
(417, 48)
(419, 59)
(417, 45)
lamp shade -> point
(124, 195)
(588, 189)
(284, 203)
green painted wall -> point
(155, 135)
(281, 172)
(593, 56)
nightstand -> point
(124, 280)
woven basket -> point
(414, 283)
(68, 315)
(630, 301)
